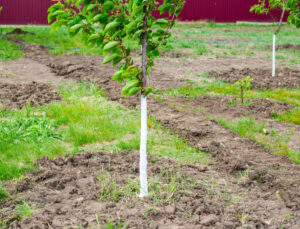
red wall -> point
(35, 11)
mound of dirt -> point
(286, 46)
(66, 194)
(91, 69)
(14, 96)
(231, 107)
(20, 31)
(262, 78)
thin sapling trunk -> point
(274, 40)
(143, 140)
(242, 94)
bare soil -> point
(245, 185)
(262, 78)
(286, 46)
(19, 31)
(14, 96)
(65, 193)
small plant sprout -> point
(244, 84)
(116, 25)
(290, 6)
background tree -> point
(290, 6)
(115, 25)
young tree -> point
(115, 25)
(290, 6)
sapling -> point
(114, 25)
(244, 84)
(291, 6)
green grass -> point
(247, 127)
(8, 50)
(84, 118)
(195, 36)
(290, 96)
(58, 41)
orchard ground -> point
(69, 139)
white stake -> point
(274, 55)
(143, 148)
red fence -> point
(35, 11)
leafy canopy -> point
(245, 83)
(114, 25)
(291, 6)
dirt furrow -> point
(264, 178)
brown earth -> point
(20, 31)
(233, 153)
(65, 193)
(14, 96)
(262, 78)
(263, 188)
(286, 46)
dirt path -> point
(66, 191)
(262, 189)
(26, 81)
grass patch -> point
(58, 42)
(162, 187)
(83, 118)
(293, 116)
(220, 88)
(8, 50)
(247, 127)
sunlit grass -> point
(248, 127)
(8, 50)
(220, 88)
(83, 118)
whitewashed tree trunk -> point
(143, 148)
(143, 143)
(274, 56)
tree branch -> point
(281, 18)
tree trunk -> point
(143, 142)
(274, 56)
(242, 94)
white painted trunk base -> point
(143, 148)
(274, 56)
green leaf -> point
(118, 75)
(134, 91)
(111, 26)
(103, 18)
(94, 36)
(110, 45)
(78, 2)
(58, 12)
(109, 58)
(92, 7)
(129, 84)
(108, 6)
(155, 54)
(75, 28)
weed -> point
(202, 49)
(4, 194)
(23, 211)
(8, 50)
(163, 188)
(244, 84)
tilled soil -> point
(262, 78)
(65, 193)
(286, 46)
(234, 154)
(20, 31)
(14, 96)
(263, 188)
